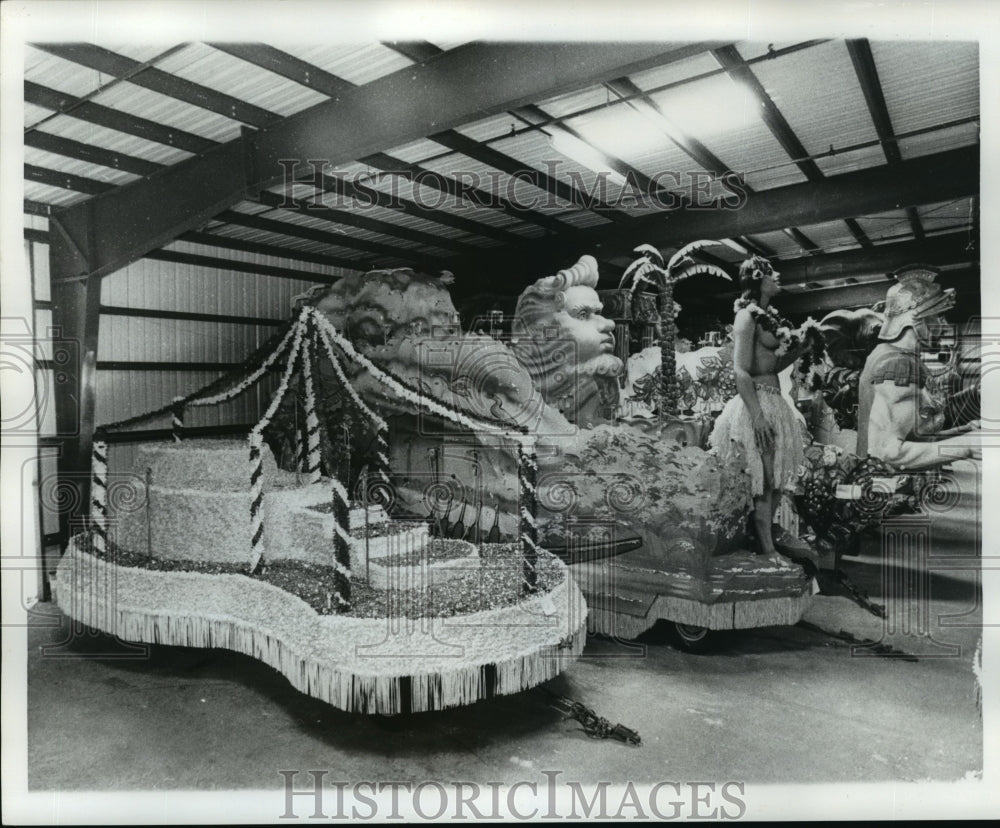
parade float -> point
(214, 545)
(651, 523)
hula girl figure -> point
(758, 420)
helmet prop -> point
(915, 296)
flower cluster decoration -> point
(810, 367)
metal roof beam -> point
(532, 114)
(925, 180)
(419, 51)
(458, 191)
(947, 249)
(823, 300)
(860, 51)
(328, 84)
(66, 181)
(459, 86)
(734, 64)
(458, 142)
(287, 66)
(36, 208)
(695, 150)
(285, 228)
(104, 116)
(859, 235)
(89, 153)
(354, 218)
(864, 67)
(391, 201)
(120, 66)
(802, 240)
(278, 251)
(416, 50)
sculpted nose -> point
(606, 324)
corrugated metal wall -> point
(170, 344)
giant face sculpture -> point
(567, 345)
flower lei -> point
(809, 367)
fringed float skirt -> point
(733, 438)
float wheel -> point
(690, 638)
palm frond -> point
(640, 279)
(631, 269)
(688, 249)
(650, 252)
(702, 270)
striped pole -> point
(382, 453)
(99, 495)
(341, 546)
(527, 474)
(256, 440)
(177, 419)
(312, 421)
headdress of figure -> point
(915, 296)
(752, 273)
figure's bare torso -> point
(765, 358)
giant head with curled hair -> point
(566, 344)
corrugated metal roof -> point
(492, 127)
(777, 241)
(142, 52)
(583, 218)
(65, 126)
(145, 103)
(674, 72)
(62, 75)
(947, 215)
(848, 161)
(61, 163)
(815, 88)
(881, 225)
(222, 72)
(818, 92)
(431, 198)
(571, 102)
(33, 114)
(756, 154)
(830, 235)
(943, 139)
(258, 258)
(55, 196)
(497, 183)
(535, 151)
(927, 83)
(356, 63)
(723, 115)
(445, 45)
(416, 151)
(315, 223)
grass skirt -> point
(733, 439)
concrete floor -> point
(786, 705)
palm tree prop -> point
(649, 269)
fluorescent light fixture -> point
(626, 130)
(713, 106)
(583, 153)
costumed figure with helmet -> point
(899, 422)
